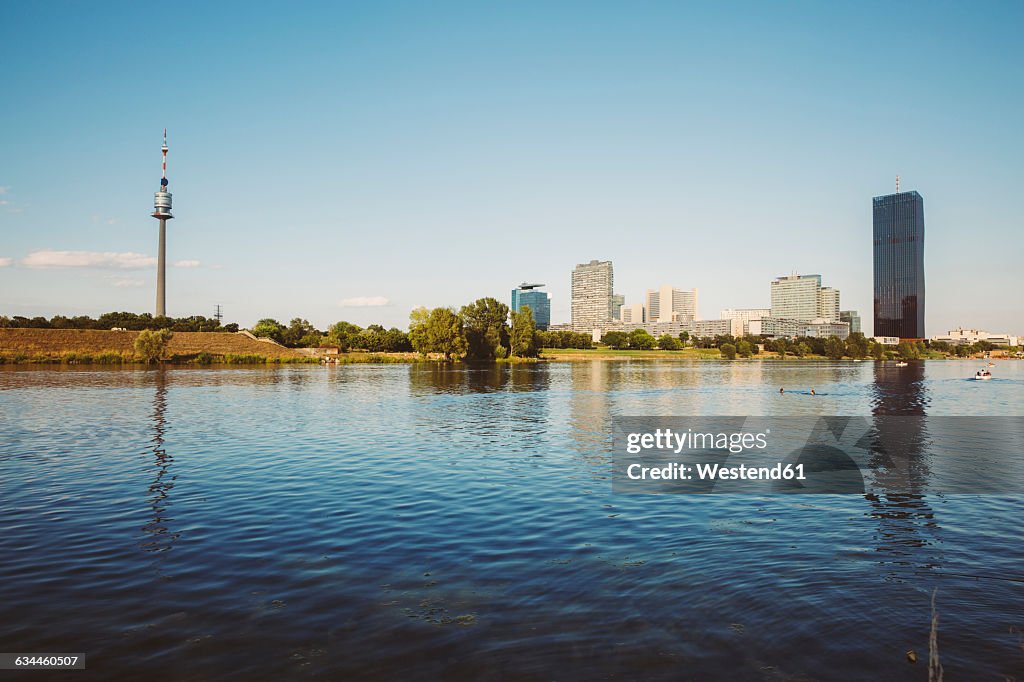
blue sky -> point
(326, 157)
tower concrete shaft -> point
(161, 272)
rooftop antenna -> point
(897, 184)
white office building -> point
(801, 297)
(592, 295)
(668, 304)
(633, 314)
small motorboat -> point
(983, 375)
(901, 364)
(991, 364)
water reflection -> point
(161, 537)
(495, 402)
(906, 520)
(590, 408)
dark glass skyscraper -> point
(899, 265)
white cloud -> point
(6, 262)
(4, 189)
(129, 283)
(187, 264)
(364, 302)
(88, 259)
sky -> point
(353, 161)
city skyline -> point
(520, 125)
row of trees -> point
(346, 336)
(478, 332)
(120, 320)
(855, 346)
(563, 339)
(962, 351)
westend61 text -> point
(677, 441)
(716, 472)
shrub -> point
(151, 345)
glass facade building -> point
(537, 301)
(852, 318)
(899, 265)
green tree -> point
(297, 329)
(856, 345)
(802, 349)
(397, 341)
(269, 328)
(641, 340)
(744, 348)
(486, 329)
(419, 318)
(616, 339)
(835, 348)
(728, 351)
(877, 350)
(780, 346)
(908, 350)
(684, 337)
(151, 345)
(446, 333)
(523, 336)
(343, 334)
(311, 340)
(669, 342)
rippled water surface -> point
(420, 521)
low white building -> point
(744, 315)
(718, 327)
(966, 337)
(776, 327)
(887, 340)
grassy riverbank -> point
(92, 346)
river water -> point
(425, 521)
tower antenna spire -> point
(163, 175)
(897, 184)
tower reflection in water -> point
(906, 522)
(160, 537)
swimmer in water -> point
(781, 391)
(812, 392)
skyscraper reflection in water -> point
(906, 522)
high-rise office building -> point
(667, 304)
(801, 297)
(899, 265)
(592, 291)
(852, 318)
(537, 301)
(828, 304)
